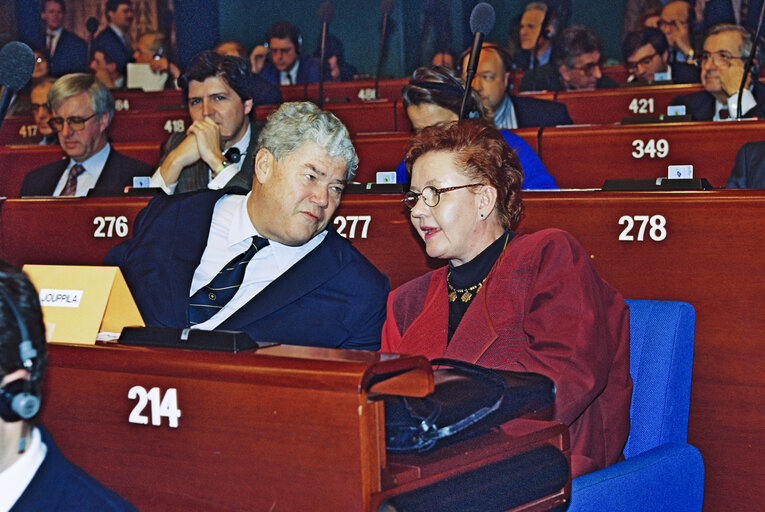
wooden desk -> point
(69, 231)
(17, 161)
(283, 428)
(358, 118)
(608, 106)
(356, 91)
(711, 255)
(585, 156)
(139, 101)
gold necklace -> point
(464, 294)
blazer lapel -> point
(305, 276)
(191, 229)
(427, 334)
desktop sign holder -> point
(78, 302)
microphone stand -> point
(380, 56)
(321, 64)
(749, 63)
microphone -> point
(387, 8)
(326, 13)
(91, 26)
(17, 63)
(481, 22)
(750, 62)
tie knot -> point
(76, 170)
(724, 113)
(259, 242)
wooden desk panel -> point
(608, 106)
(76, 231)
(356, 91)
(283, 428)
(358, 118)
(154, 126)
(17, 161)
(139, 101)
(584, 157)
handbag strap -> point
(481, 413)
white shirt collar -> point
(17, 477)
(95, 164)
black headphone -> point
(19, 399)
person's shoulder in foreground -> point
(59, 485)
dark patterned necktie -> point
(209, 299)
(71, 182)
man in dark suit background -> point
(218, 149)
(263, 91)
(289, 65)
(299, 282)
(509, 111)
(115, 39)
(646, 54)
(749, 169)
(82, 109)
(66, 52)
(576, 64)
(726, 50)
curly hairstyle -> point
(482, 154)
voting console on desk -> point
(277, 428)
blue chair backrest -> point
(661, 357)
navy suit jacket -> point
(701, 105)
(308, 71)
(721, 11)
(749, 169)
(111, 44)
(264, 92)
(333, 297)
(531, 112)
(60, 486)
(71, 55)
(118, 173)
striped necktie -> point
(210, 299)
(70, 188)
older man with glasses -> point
(82, 109)
(726, 51)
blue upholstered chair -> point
(660, 471)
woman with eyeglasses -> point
(435, 94)
(530, 303)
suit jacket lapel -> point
(308, 274)
(55, 176)
(191, 230)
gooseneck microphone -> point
(17, 63)
(750, 62)
(387, 8)
(325, 14)
(91, 26)
(481, 22)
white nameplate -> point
(60, 298)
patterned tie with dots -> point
(209, 299)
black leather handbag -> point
(467, 400)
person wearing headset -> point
(726, 51)
(537, 30)
(34, 474)
(288, 65)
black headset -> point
(19, 400)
